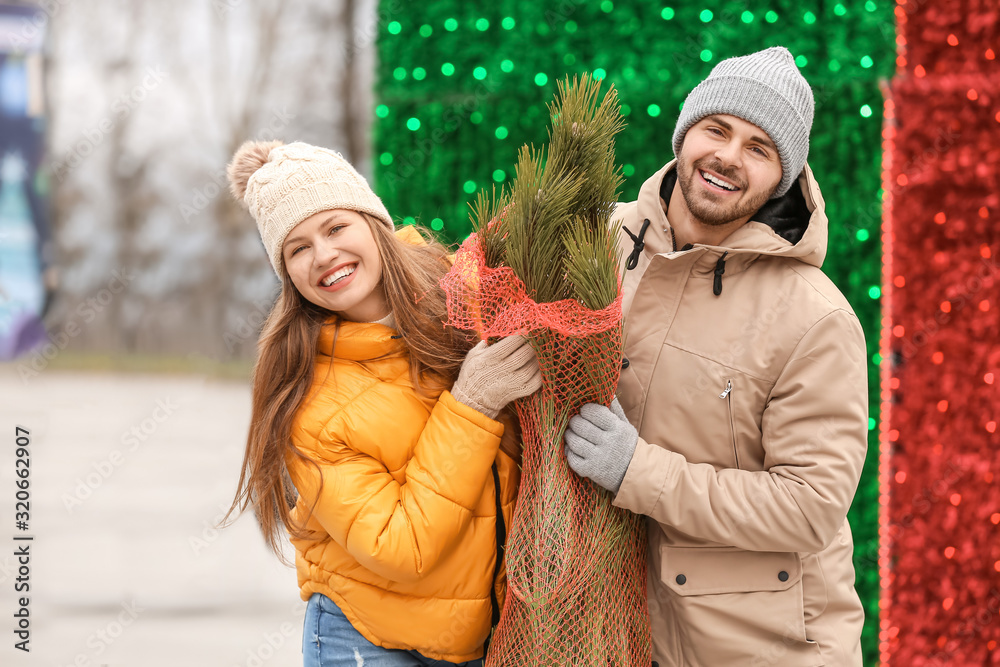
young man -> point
(743, 421)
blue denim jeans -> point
(329, 640)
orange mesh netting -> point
(576, 565)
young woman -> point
(374, 439)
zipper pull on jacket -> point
(720, 268)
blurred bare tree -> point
(147, 102)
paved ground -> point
(128, 475)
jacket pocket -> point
(727, 396)
(736, 607)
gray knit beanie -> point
(763, 88)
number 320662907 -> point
(22, 470)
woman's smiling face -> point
(333, 261)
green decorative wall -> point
(462, 85)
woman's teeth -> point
(339, 275)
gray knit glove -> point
(600, 443)
(494, 375)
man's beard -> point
(711, 213)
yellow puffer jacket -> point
(403, 533)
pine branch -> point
(591, 265)
(554, 231)
(539, 210)
(486, 213)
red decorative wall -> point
(940, 521)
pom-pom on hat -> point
(763, 88)
(283, 184)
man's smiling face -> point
(727, 169)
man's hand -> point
(600, 443)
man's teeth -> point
(339, 275)
(722, 184)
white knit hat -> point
(282, 185)
(763, 88)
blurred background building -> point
(139, 105)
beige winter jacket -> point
(752, 413)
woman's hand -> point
(494, 375)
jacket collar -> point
(766, 232)
(358, 341)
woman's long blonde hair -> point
(286, 351)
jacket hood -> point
(794, 225)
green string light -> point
(508, 23)
(607, 6)
(874, 292)
(747, 17)
(381, 111)
(626, 109)
(706, 15)
(451, 25)
(482, 25)
(706, 56)
(507, 65)
(437, 224)
(479, 73)
(801, 61)
(871, 6)
(469, 187)
(476, 118)
(385, 158)
(599, 73)
(862, 235)
(394, 27)
(501, 132)
(667, 13)
(569, 59)
(628, 170)
(653, 110)
(570, 26)
(809, 18)
(399, 73)
(834, 65)
(499, 175)
(419, 73)
(839, 9)
(409, 220)
(771, 17)
(541, 79)
(426, 30)
(866, 111)
(866, 61)
(413, 124)
(447, 69)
